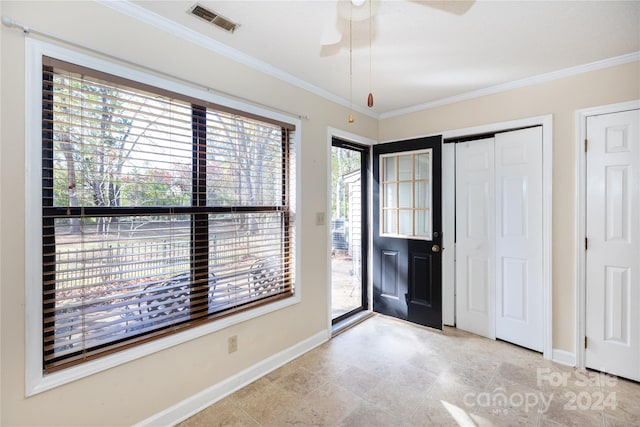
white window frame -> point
(36, 380)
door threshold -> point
(350, 322)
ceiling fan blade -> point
(331, 35)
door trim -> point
(362, 140)
(546, 122)
(581, 220)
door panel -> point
(518, 174)
(617, 310)
(390, 275)
(514, 288)
(613, 254)
(477, 287)
(407, 229)
(421, 290)
(475, 216)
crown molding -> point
(529, 81)
(132, 10)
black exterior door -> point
(407, 230)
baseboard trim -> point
(194, 404)
(563, 357)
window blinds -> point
(159, 212)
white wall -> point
(137, 390)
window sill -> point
(46, 382)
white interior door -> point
(475, 219)
(518, 244)
(613, 253)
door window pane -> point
(422, 165)
(423, 198)
(407, 194)
(390, 222)
(389, 167)
(423, 223)
(389, 199)
(406, 223)
(405, 169)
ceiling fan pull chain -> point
(370, 97)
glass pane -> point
(423, 223)
(389, 168)
(345, 180)
(405, 171)
(346, 231)
(423, 165)
(245, 161)
(244, 266)
(115, 277)
(405, 195)
(423, 194)
(390, 221)
(406, 222)
(116, 147)
(390, 199)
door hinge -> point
(586, 144)
(586, 244)
(585, 341)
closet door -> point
(518, 237)
(613, 254)
(475, 231)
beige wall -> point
(134, 391)
(139, 389)
(561, 98)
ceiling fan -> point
(358, 13)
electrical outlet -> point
(233, 344)
(319, 218)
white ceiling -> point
(422, 52)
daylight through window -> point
(159, 212)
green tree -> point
(343, 162)
(97, 127)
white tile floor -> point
(385, 372)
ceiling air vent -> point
(213, 18)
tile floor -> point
(385, 372)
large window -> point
(160, 212)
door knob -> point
(435, 248)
